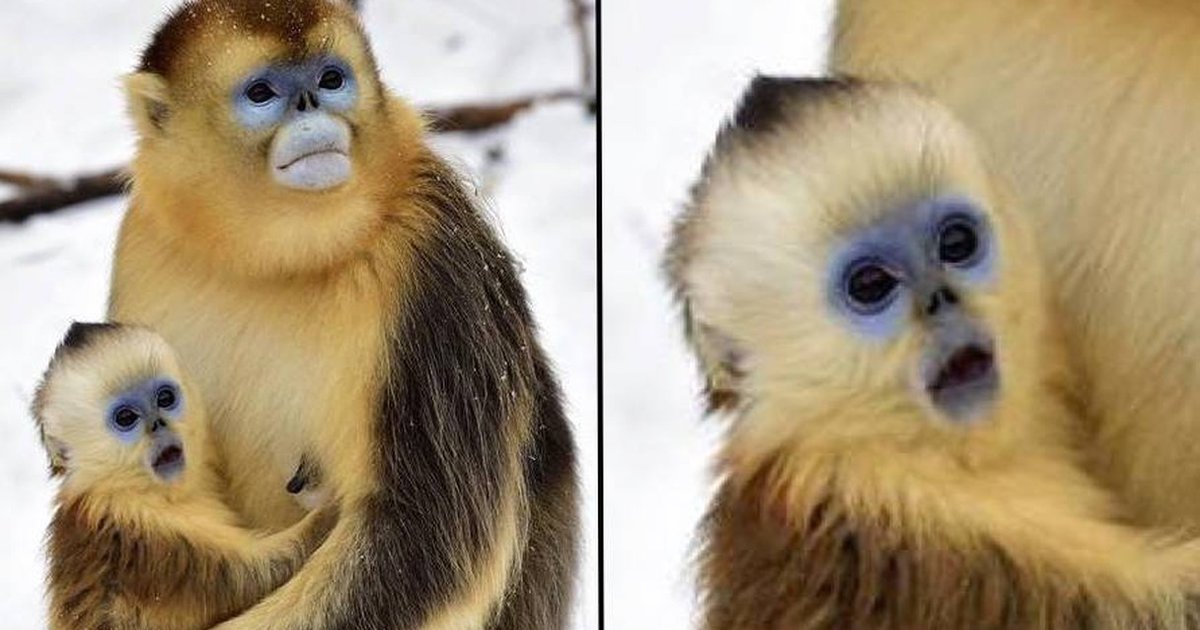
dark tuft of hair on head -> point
(767, 99)
(285, 20)
(80, 334)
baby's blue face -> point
(917, 265)
(148, 410)
(303, 106)
(882, 273)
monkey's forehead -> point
(848, 155)
(287, 30)
(809, 198)
(108, 358)
(832, 120)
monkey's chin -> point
(314, 172)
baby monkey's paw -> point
(306, 485)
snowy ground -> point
(61, 112)
(672, 71)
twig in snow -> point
(40, 195)
(580, 12)
(485, 116)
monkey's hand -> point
(255, 571)
(314, 528)
(306, 487)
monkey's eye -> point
(125, 418)
(165, 397)
(958, 241)
(260, 92)
(332, 79)
(870, 286)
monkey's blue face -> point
(917, 266)
(148, 411)
(303, 106)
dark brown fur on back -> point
(541, 595)
(840, 572)
(468, 392)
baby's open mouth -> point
(965, 366)
(168, 461)
(964, 381)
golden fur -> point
(845, 501)
(126, 549)
(1090, 111)
(326, 303)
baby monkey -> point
(867, 304)
(141, 537)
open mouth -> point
(168, 461)
(969, 364)
(964, 381)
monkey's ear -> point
(56, 451)
(722, 361)
(148, 101)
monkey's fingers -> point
(317, 525)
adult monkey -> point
(1091, 109)
(336, 292)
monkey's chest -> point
(283, 375)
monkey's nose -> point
(158, 424)
(308, 99)
(942, 297)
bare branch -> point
(480, 117)
(48, 194)
(580, 12)
(25, 180)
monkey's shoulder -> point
(103, 568)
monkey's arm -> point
(257, 567)
(181, 570)
(211, 570)
(832, 568)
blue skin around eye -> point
(981, 270)
(173, 413)
(143, 398)
(884, 323)
(290, 82)
(905, 242)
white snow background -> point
(62, 112)
(672, 71)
